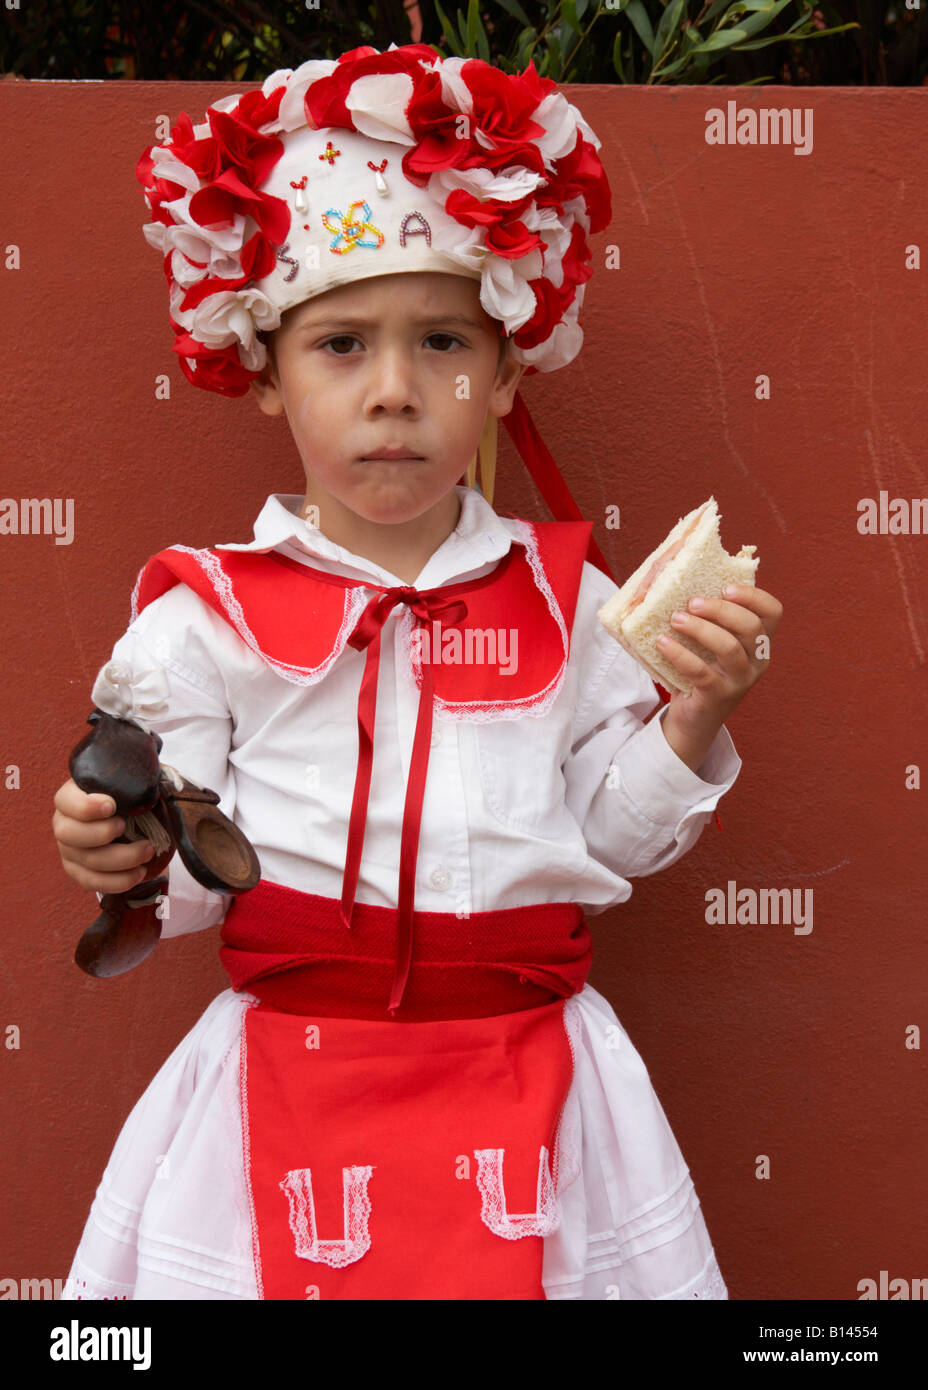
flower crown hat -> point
(377, 164)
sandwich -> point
(690, 561)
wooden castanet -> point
(118, 758)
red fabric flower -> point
(325, 98)
(503, 107)
(166, 266)
(159, 190)
(512, 239)
(255, 109)
(243, 149)
(444, 137)
(201, 155)
(576, 259)
(550, 304)
(473, 212)
(506, 235)
(228, 195)
(217, 369)
(580, 174)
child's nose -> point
(393, 378)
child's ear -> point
(508, 376)
(267, 389)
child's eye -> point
(349, 338)
(342, 338)
(449, 337)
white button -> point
(436, 737)
(118, 671)
(440, 879)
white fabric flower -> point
(464, 244)
(252, 356)
(184, 243)
(559, 119)
(507, 185)
(165, 165)
(455, 92)
(556, 238)
(504, 289)
(575, 211)
(230, 316)
(218, 247)
(587, 133)
(227, 103)
(292, 113)
(125, 694)
(377, 104)
(154, 233)
(563, 345)
(276, 79)
(270, 84)
(226, 239)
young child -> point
(406, 703)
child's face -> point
(410, 375)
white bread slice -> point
(700, 567)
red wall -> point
(735, 261)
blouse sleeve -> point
(165, 674)
(639, 805)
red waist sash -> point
(411, 1162)
(293, 951)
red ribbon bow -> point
(425, 604)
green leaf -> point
(720, 39)
(669, 25)
(462, 31)
(515, 9)
(450, 36)
(473, 19)
(715, 10)
(527, 40)
(691, 40)
(757, 22)
(554, 50)
(569, 15)
(617, 57)
(642, 25)
(790, 38)
(483, 43)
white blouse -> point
(565, 807)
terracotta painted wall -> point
(736, 261)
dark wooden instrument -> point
(120, 759)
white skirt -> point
(171, 1220)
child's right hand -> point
(84, 833)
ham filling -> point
(661, 563)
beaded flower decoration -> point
(373, 164)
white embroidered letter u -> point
(540, 1222)
(298, 1185)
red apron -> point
(392, 1162)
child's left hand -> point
(735, 629)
